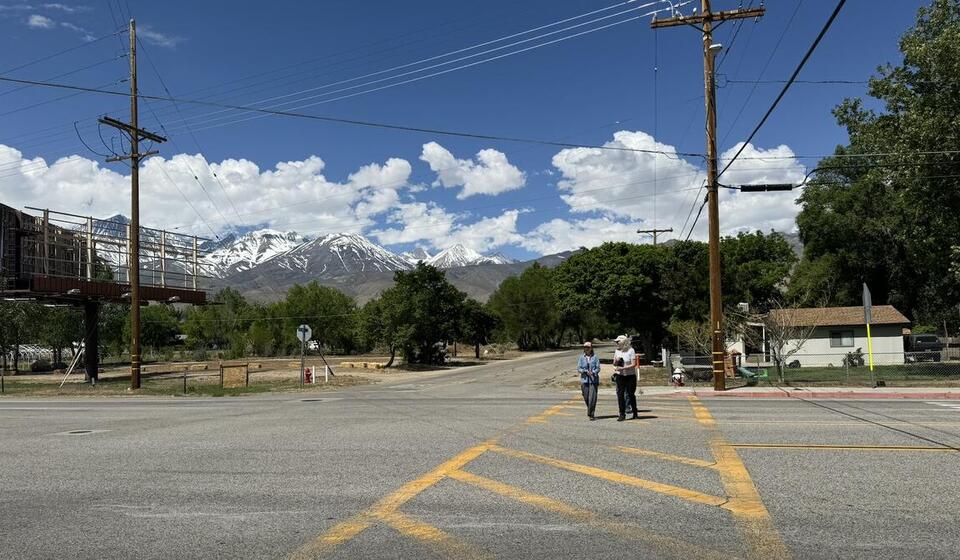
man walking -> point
(589, 369)
(624, 362)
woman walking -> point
(589, 369)
(624, 362)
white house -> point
(825, 335)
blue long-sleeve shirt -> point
(589, 364)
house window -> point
(841, 339)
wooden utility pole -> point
(704, 23)
(654, 232)
(135, 134)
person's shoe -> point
(621, 418)
(635, 416)
(592, 418)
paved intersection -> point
(479, 463)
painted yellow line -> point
(446, 545)
(556, 409)
(628, 531)
(337, 535)
(667, 489)
(666, 457)
(799, 446)
(752, 518)
(342, 532)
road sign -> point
(304, 333)
(867, 305)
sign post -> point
(868, 318)
(303, 334)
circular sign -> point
(304, 333)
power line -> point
(763, 70)
(355, 122)
(796, 72)
(430, 67)
(59, 53)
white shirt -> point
(629, 357)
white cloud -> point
(37, 21)
(87, 36)
(562, 235)
(619, 182)
(619, 186)
(746, 212)
(157, 38)
(418, 221)
(66, 8)
(490, 174)
(292, 195)
(484, 235)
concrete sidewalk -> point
(931, 393)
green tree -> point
(59, 328)
(19, 325)
(221, 325)
(477, 324)
(891, 221)
(159, 326)
(528, 309)
(418, 315)
(755, 267)
(330, 313)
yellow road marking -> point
(840, 447)
(556, 409)
(628, 531)
(448, 546)
(343, 532)
(385, 507)
(666, 457)
(753, 519)
(669, 490)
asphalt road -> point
(478, 463)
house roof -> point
(837, 316)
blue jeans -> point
(589, 391)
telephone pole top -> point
(655, 232)
(704, 22)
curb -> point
(824, 395)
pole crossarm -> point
(724, 15)
(131, 130)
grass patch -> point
(205, 386)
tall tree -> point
(527, 308)
(890, 221)
(419, 314)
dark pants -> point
(626, 393)
(589, 391)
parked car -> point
(922, 347)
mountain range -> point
(265, 263)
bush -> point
(41, 366)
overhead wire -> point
(427, 68)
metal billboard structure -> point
(63, 258)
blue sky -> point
(407, 189)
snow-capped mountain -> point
(458, 255)
(415, 256)
(336, 254)
(249, 250)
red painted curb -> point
(826, 395)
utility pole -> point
(135, 133)
(704, 23)
(655, 231)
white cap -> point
(622, 338)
